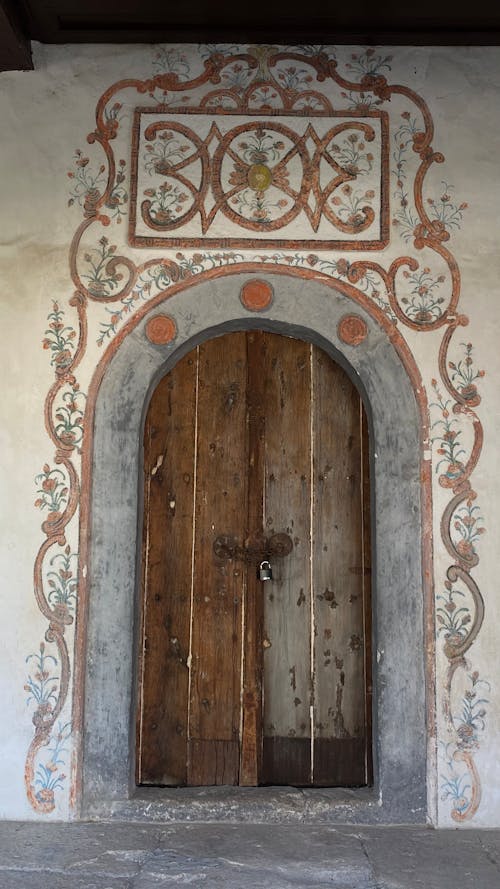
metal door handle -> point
(254, 550)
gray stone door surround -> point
(311, 310)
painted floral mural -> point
(262, 137)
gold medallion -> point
(259, 177)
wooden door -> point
(251, 435)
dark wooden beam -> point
(430, 22)
(15, 46)
(268, 34)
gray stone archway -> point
(311, 310)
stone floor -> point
(91, 855)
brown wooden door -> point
(254, 434)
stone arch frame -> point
(384, 372)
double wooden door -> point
(241, 681)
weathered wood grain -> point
(167, 540)
(287, 498)
(251, 740)
(221, 508)
(339, 665)
(213, 762)
(253, 434)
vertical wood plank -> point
(339, 664)
(217, 759)
(251, 741)
(221, 501)
(287, 662)
(167, 541)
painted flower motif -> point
(361, 102)
(445, 215)
(101, 276)
(42, 685)
(470, 722)
(172, 60)
(453, 620)
(368, 63)
(69, 415)
(59, 339)
(422, 301)
(162, 155)
(351, 155)
(53, 492)
(451, 465)
(49, 777)
(294, 78)
(464, 376)
(62, 579)
(352, 208)
(88, 186)
(467, 523)
(165, 203)
(342, 266)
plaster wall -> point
(46, 115)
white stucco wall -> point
(46, 115)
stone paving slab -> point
(445, 859)
(91, 855)
(490, 841)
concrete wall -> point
(385, 188)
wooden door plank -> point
(221, 498)
(287, 761)
(287, 659)
(213, 762)
(167, 540)
(339, 762)
(251, 740)
(339, 679)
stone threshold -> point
(277, 805)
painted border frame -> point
(377, 242)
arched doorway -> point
(255, 454)
(311, 307)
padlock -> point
(265, 571)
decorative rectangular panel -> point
(234, 181)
